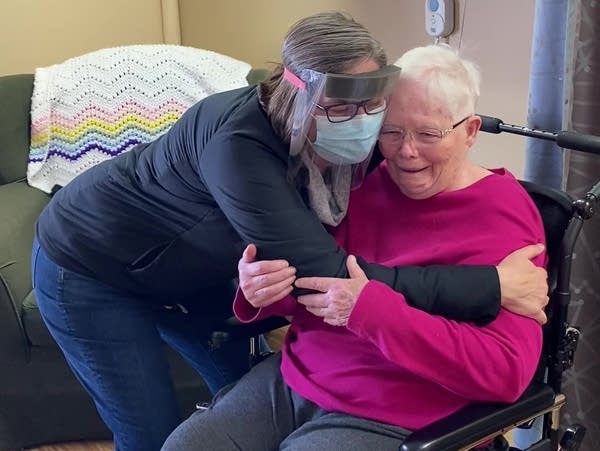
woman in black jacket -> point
(141, 250)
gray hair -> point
(328, 42)
(452, 81)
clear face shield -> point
(336, 123)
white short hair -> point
(450, 80)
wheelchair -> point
(484, 424)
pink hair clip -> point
(293, 79)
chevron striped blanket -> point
(99, 105)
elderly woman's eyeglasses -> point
(343, 112)
(424, 136)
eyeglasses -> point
(343, 112)
(423, 136)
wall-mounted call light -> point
(439, 18)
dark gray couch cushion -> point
(255, 76)
(20, 205)
(15, 98)
(35, 329)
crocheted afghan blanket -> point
(99, 105)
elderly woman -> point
(360, 367)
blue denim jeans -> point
(114, 343)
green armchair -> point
(40, 400)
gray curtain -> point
(544, 159)
(564, 93)
(582, 114)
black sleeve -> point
(462, 293)
(249, 184)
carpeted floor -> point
(81, 446)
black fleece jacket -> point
(170, 218)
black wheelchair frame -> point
(485, 423)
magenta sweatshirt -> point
(394, 363)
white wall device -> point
(439, 17)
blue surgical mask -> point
(348, 142)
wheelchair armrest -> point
(232, 329)
(477, 421)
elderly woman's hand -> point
(264, 282)
(337, 297)
(523, 285)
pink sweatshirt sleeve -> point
(247, 313)
(492, 363)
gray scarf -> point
(328, 194)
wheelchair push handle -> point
(578, 141)
(565, 138)
(587, 206)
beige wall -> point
(35, 33)
(497, 35)
(248, 30)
